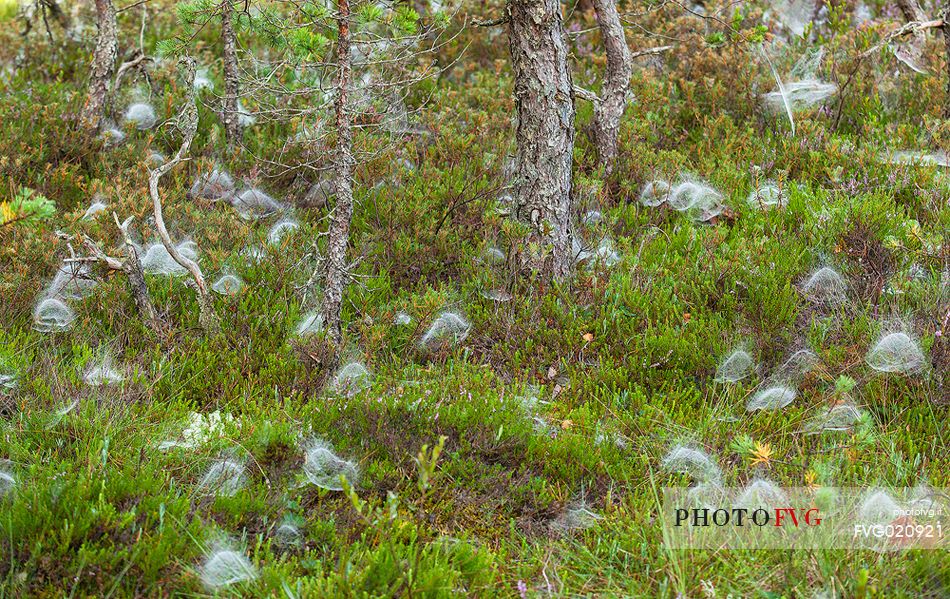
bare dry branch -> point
(187, 123)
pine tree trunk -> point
(103, 65)
(335, 280)
(613, 94)
(946, 56)
(911, 11)
(544, 98)
(229, 112)
(143, 302)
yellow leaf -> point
(6, 213)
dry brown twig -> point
(132, 269)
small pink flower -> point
(522, 589)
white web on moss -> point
(325, 469)
(896, 353)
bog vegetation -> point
(425, 298)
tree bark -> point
(613, 94)
(946, 52)
(188, 125)
(132, 268)
(229, 112)
(911, 11)
(103, 65)
(133, 271)
(544, 98)
(336, 275)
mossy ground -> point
(623, 358)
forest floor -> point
(555, 405)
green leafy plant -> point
(716, 39)
(743, 445)
(427, 460)
(844, 384)
(28, 208)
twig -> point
(586, 94)
(650, 51)
(131, 6)
(130, 267)
(491, 22)
(188, 125)
(912, 27)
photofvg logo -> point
(739, 516)
(762, 515)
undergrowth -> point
(621, 359)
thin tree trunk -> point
(613, 94)
(103, 65)
(946, 53)
(132, 268)
(133, 271)
(188, 125)
(336, 274)
(229, 113)
(911, 11)
(544, 98)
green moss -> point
(622, 358)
